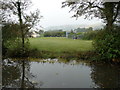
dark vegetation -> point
(55, 33)
(91, 35)
(107, 44)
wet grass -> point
(60, 47)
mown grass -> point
(60, 44)
(60, 47)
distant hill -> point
(63, 27)
(70, 27)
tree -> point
(109, 11)
(39, 32)
(106, 42)
(18, 9)
(54, 33)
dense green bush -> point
(10, 36)
(16, 50)
(107, 44)
(90, 35)
(12, 42)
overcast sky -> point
(54, 15)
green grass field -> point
(60, 47)
(60, 44)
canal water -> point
(54, 73)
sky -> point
(54, 15)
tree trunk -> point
(109, 13)
(23, 42)
(20, 20)
(23, 75)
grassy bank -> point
(60, 47)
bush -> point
(18, 52)
(107, 44)
(90, 35)
(10, 35)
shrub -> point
(18, 52)
(90, 35)
(107, 44)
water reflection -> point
(106, 76)
(17, 74)
(56, 73)
(62, 75)
(10, 74)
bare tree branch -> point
(117, 12)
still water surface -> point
(61, 74)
